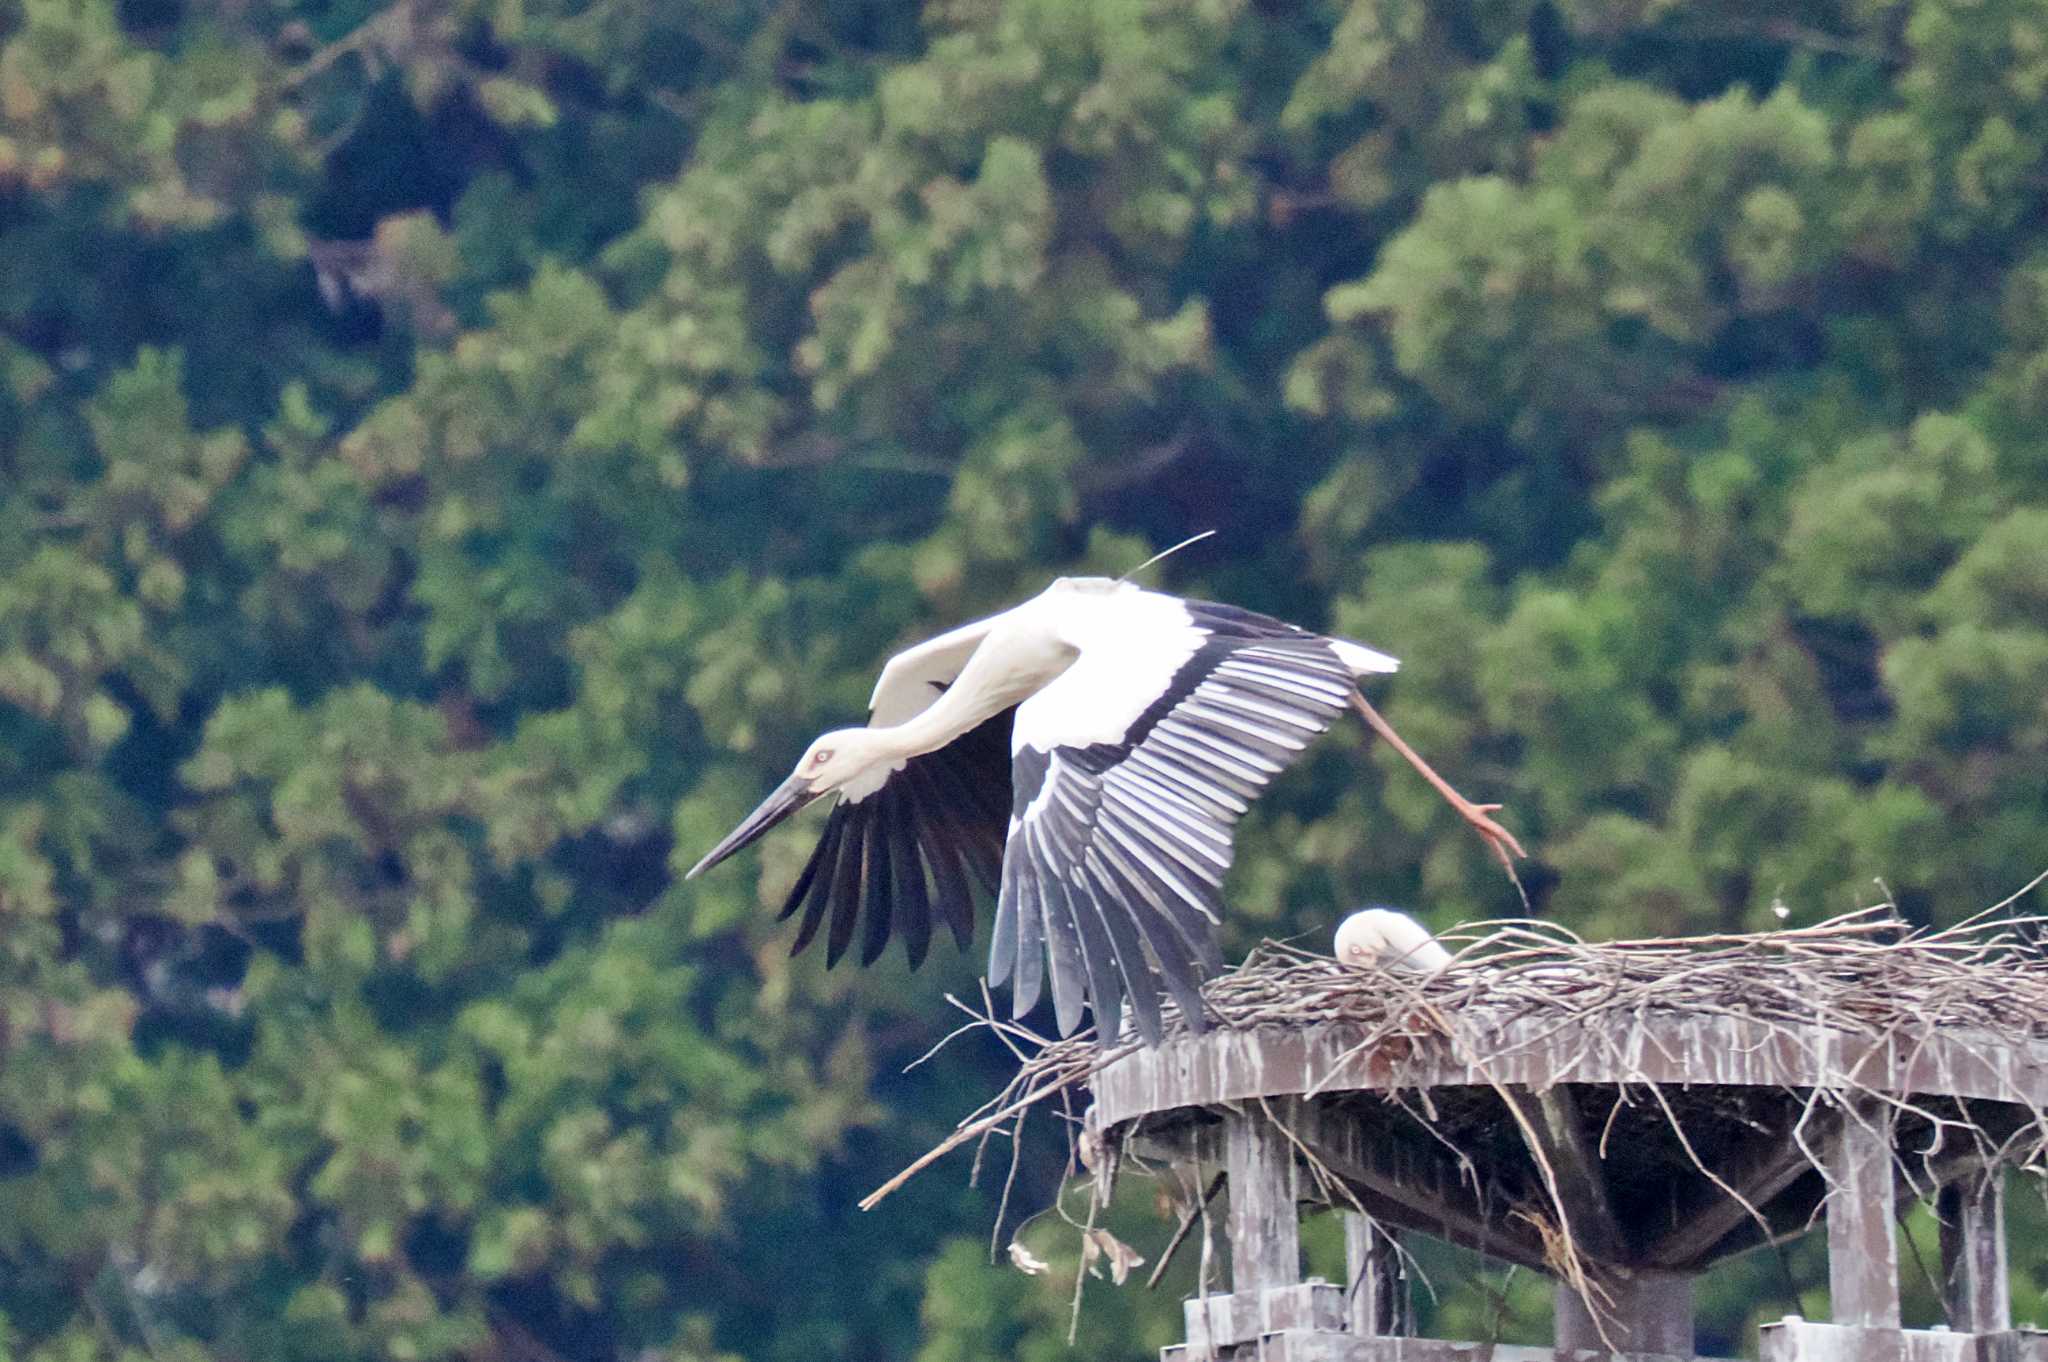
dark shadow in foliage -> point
(188, 982)
(18, 1153)
(1846, 653)
(531, 1306)
(400, 160)
(148, 20)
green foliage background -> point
(454, 453)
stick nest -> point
(1866, 973)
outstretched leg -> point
(1497, 837)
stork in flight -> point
(1085, 756)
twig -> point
(1081, 1271)
(1187, 1222)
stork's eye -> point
(821, 756)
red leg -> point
(1497, 837)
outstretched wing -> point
(892, 858)
(896, 857)
(1118, 843)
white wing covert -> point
(915, 677)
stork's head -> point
(851, 761)
(1391, 940)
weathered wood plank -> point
(1796, 1340)
(1376, 1282)
(1264, 1224)
(1646, 1312)
(1304, 1346)
(1863, 1243)
(1214, 1323)
(2014, 1345)
(1227, 1320)
(1975, 1277)
(1223, 1067)
(1313, 1304)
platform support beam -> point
(1557, 1138)
(1265, 1225)
(1377, 1301)
(1863, 1243)
(1973, 1259)
(1704, 1225)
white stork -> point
(1085, 756)
(1392, 940)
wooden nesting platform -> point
(1621, 1152)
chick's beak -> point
(789, 796)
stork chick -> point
(1391, 940)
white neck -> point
(1017, 659)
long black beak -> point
(789, 796)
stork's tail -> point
(1363, 661)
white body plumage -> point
(1390, 940)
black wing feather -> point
(1182, 963)
(814, 886)
(846, 884)
(1140, 982)
(1064, 959)
(913, 905)
(1026, 931)
(1105, 977)
(880, 905)
(945, 811)
(1002, 946)
(951, 897)
(1185, 920)
(982, 827)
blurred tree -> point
(453, 454)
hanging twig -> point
(1180, 1233)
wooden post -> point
(1863, 1244)
(1973, 1263)
(1377, 1303)
(1647, 1312)
(1265, 1226)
